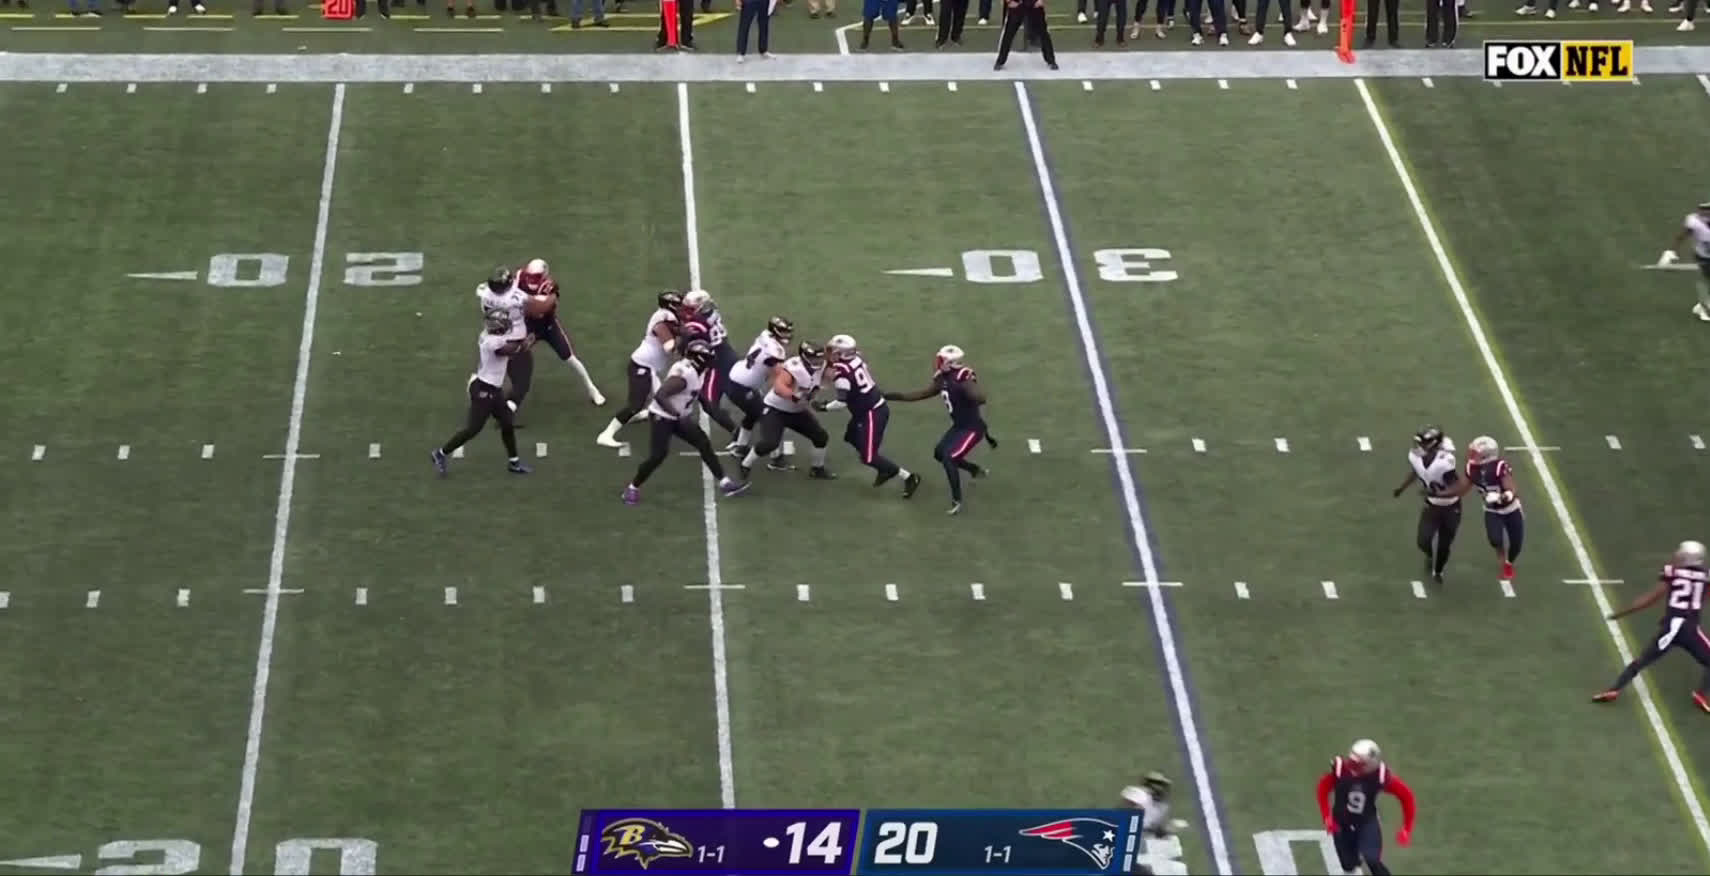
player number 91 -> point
(917, 839)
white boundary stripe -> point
(287, 483)
(1130, 494)
(1671, 751)
(709, 489)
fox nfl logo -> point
(1558, 60)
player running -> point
(964, 397)
(486, 394)
(788, 406)
(647, 364)
(672, 409)
(1504, 519)
(1683, 581)
(868, 416)
(1347, 801)
(535, 278)
(1431, 464)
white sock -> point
(819, 457)
(744, 437)
(512, 405)
(903, 473)
(753, 457)
(611, 429)
(724, 481)
(582, 371)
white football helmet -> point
(698, 301)
(1365, 753)
(949, 356)
(533, 275)
(1483, 449)
(1690, 553)
(840, 346)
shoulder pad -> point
(963, 373)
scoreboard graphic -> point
(882, 842)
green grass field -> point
(244, 628)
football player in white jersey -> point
(752, 374)
(788, 405)
(535, 279)
(1431, 465)
(501, 294)
(486, 394)
(1696, 225)
(673, 413)
(647, 363)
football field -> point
(245, 628)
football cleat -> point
(1507, 571)
(910, 485)
(517, 466)
(821, 473)
(439, 463)
(1701, 701)
(778, 463)
(881, 479)
(631, 495)
(949, 356)
(698, 302)
(1607, 696)
(955, 508)
(533, 276)
(780, 328)
(734, 488)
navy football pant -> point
(519, 369)
(803, 423)
(550, 331)
(865, 433)
(1674, 633)
(952, 451)
(1509, 529)
(486, 402)
(713, 389)
(659, 447)
(1361, 841)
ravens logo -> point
(645, 840)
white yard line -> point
(1130, 494)
(1552, 488)
(287, 482)
(709, 489)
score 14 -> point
(825, 845)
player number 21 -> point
(918, 840)
(1688, 595)
(824, 846)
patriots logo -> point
(645, 840)
(1094, 837)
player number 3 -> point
(918, 840)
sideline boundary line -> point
(794, 69)
(1681, 774)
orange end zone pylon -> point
(1345, 44)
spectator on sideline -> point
(952, 14)
(599, 13)
(1392, 18)
(876, 9)
(1104, 21)
(92, 10)
(830, 8)
(1031, 14)
(753, 10)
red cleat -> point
(1609, 696)
(1700, 701)
(1507, 571)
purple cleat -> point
(733, 488)
(631, 496)
(439, 461)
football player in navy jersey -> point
(535, 278)
(1347, 801)
(1504, 519)
(963, 395)
(1682, 581)
(868, 416)
(701, 320)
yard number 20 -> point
(1023, 266)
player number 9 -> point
(1356, 801)
(918, 840)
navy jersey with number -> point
(1487, 477)
(952, 387)
(1356, 792)
(862, 393)
(1685, 593)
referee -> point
(1029, 13)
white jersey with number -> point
(1437, 474)
(755, 369)
(676, 405)
(651, 351)
(807, 382)
(510, 301)
(1700, 231)
(491, 368)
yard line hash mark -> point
(1241, 591)
(1138, 531)
(1033, 445)
(749, 88)
(207, 451)
(948, 85)
(820, 86)
(409, 88)
(37, 452)
(272, 87)
(626, 593)
(802, 593)
(93, 600)
(130, 88)
(545, 88)
(1086, 84)
(1365, 444)
(451, 596)
(5, 599)
(1614, 442)
(374, 451)
(1418, 589)
(183, 597)
(1282, 445)
(614, 88)
(978, 591)
(61, 88)
(1199, 445)
(124, 451)
(1329, 589)
(287, 483)
(1697, 442)
(1428, 82)
(709, 489)
(1558, 503)
(475, 88)
(891, 592)
(539, 595)
(540, 449)
(362, 596)
(1507, 588)
(1066, 590)
(885, 87)
(1223, 84)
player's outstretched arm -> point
(1646, 601)
(917, 395)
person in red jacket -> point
(1347, 800)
